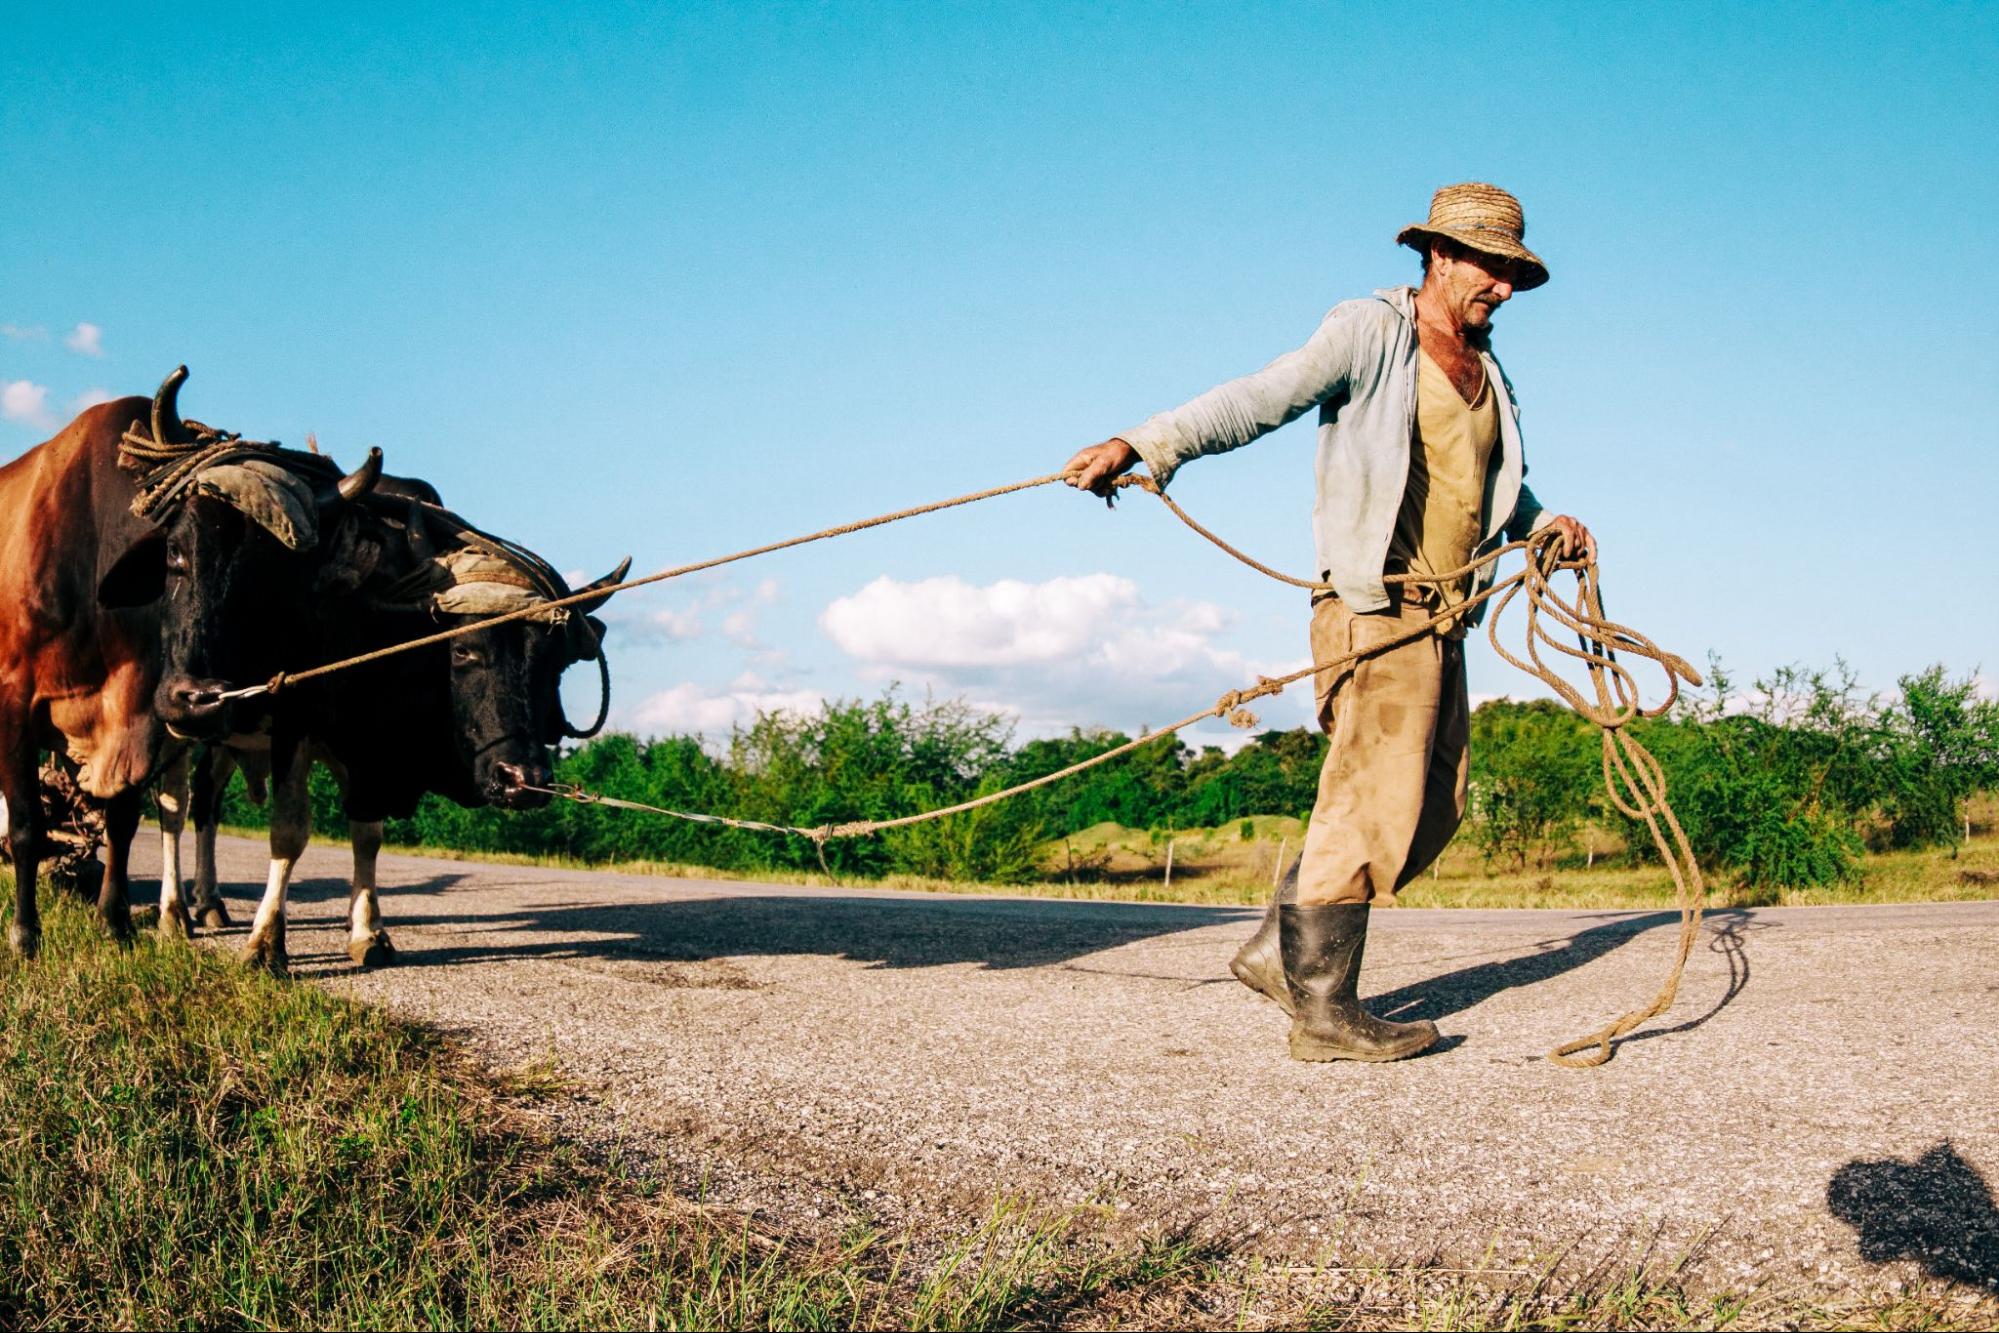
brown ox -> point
(75, 676)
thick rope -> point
(1633, 777)
(284, 678)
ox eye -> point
(464, 656)
(176, 559)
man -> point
(1419, 469)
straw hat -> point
(1485, 218)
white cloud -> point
(26, 401)
(690, 620)
(676, 623)
(25, 333)
(1085, 650)
(90, 397)
(632, 627)
(946, 622)
(689, 709)
(86, 339)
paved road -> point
(1818, 1106)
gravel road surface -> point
(1817, 1110)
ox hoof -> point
(267, 956)
(118, 924)
(174, 924)
(27, 941)
(214, 916)
(372, 951)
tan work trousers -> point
(1392, 791)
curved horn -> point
(610, 580)
(167, 409)
(362, 479)
(355, 484)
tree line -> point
(1786, 782)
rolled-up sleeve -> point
(1231, 415)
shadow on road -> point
(1730, 932)
(320, 890)
(903, 932)
(1936, 1210)
(1455, 992)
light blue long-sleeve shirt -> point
(1359, 370)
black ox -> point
(255, 580)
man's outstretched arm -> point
(1232, 414)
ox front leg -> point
(367, 943)
(291, 828)
(114, 902)
(173, 802)
(21, 789)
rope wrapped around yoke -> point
(1633, 777)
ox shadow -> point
(1455, 992)
(242, 898)
(324, 888)
(1936, 1211)
(887, 933)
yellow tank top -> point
(1443, 509)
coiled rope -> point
(1633, 777)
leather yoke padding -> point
(274, 498)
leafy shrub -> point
(1777, 784)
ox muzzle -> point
(196, 710)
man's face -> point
(1473, 285)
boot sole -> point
(1259, 981)
(1313, 1052)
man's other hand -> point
(1576, 539)
(1095, 468)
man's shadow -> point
(1936, 1210)
(1456, 992)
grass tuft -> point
(186, 1142)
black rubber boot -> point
(1258, 964)
(1322, 948)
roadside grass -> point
(1220, 867)
(187, 1143)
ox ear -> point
(137, 577)
(610, 580)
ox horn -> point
(356, 483)
(167, 409)
(610, 580)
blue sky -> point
(673, 282)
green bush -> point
(1777, 785)
(1536, 774)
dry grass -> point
(1221, 867)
